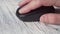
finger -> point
(32, 5)
(50, 18)
(23, 2)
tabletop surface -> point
(10, 24)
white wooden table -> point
(10, 24)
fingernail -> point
(43, 18)
(21, 11)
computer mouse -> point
(35, 14)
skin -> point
(33, 4)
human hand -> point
(33, 4)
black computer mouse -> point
(35, 14)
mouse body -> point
(35, 14)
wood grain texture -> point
(10, 24)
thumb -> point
(50, 18)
